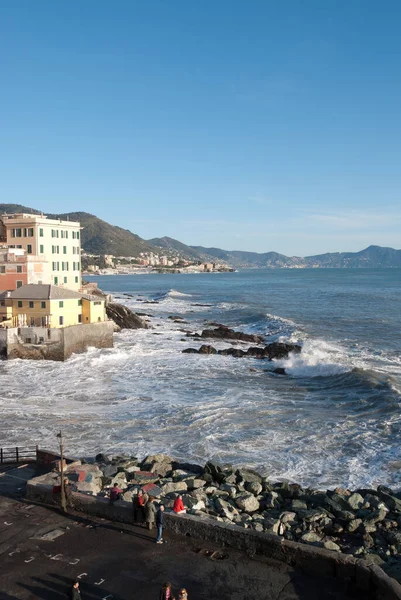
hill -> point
(98, 237)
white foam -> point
(317, 359)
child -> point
(183, 594)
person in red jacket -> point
(179, 506)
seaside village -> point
(45, 311)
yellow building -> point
(55, 242)
(49, 306)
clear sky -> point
(258, 125)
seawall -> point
(39, 343)
(361, 577)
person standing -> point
(150, 512)
(75, 593)
(139, 504)
(159, 524)
(165, 592)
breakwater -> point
(363, 523)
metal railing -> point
(18, 454)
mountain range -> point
(100, 238)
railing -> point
(18, 454)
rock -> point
(288, 517)
(354, 525)
(231, 489)
(157, 463)
(194, 484)
(391, 501)
(247, 475)
(123, 317)
(120, 479)
(199, 493)
(204, 349)
(189, 351)
(329, 545)
(236, 352)
(247, 502)
(144, 477)
(215, 471)
(109, 470)
(87, 478)
(188, 467)
(103, 458)
(225, 509)
(312, 538)
(355, 501)
(278, 350)
(253, 487)
(270, 500)
(151, 489)
(179, 486)
(375, 517)
(127, 496)
(224, 333)
(298, 505)
(279, 371)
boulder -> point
(253, 487)
(194, 484)
(231, 489)
(247, 475)
(143, 477)
(178, 487)
(205, 349)
(312, 537)
(225, 509)
(247, 502)
(123, 317)
(87, 478)
(355, 501)
(224, 333)
(120, 479)
(157, 463)
(329, 545)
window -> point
(19, 283)
(61, 304)
(58, 249)
(40, 232)
(2, 269)
(29, 248)
(61, 320)
(28, 340)
(31, 304)
(73, 249)
(66, 235)
(53, 266)
(56, 281)
(19, 303)
(65, 279)
(73, 235)
(64, 249)
(77, 235)
(16, 233)
(43, 305)
(53, 233)
(53, 249)
(62, 234)
(30, 231)
(79, 302)
(97, 303)
(3, 303)
(19, 269)
(41, 249)
(79, 318)
(76, 279)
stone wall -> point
(361, 576)
(59, 344)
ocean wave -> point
(317, 359)
(172, 294)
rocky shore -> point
(364, 522)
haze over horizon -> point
(250, 128)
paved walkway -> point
(121, 562)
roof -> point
(34, 291)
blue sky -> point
(245, 125)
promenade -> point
(41, 551)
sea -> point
(333, 420)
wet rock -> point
(123, 317)
(204, 349)
(224, 333)
(279, 371)
(190, 351)
(247, 502)
(236, 352)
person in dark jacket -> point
(74, 593)
(139, 503)
(165, 592)
(159, 524)
(115, 493)
(150, 512)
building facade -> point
(52, 243)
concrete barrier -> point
(359, 574)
